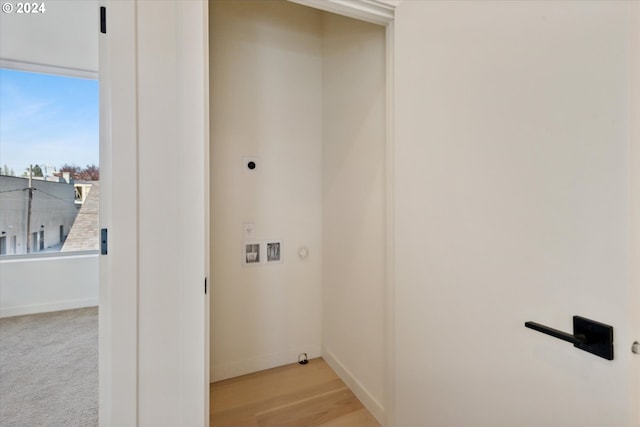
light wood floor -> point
(289, 396)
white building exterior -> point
(53, 211)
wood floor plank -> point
(288, 396)
(250, 406)
(313, 412)
(266, 384)
(360, 418)
(292, 404)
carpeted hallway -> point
(49, 369)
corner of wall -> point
(237, 368)
(361, 392)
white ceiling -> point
(63, 38)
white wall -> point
(512, 191)
(266, 79)
(57, 38)
(354, 176)
(171, 246)
(47, 283)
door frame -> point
(634, 202)
(154, 310)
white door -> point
(118, 333)
(154, 309)
(517, 194)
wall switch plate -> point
(248, 230)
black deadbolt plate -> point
(598, 337)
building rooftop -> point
(84, 232)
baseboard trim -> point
(225, 371)
(46, 308)
(369, 402)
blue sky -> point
(47, 120)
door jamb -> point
(634, 214)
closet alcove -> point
(301, 94)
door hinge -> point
(205, 285)
(103, 20)
(103, 241)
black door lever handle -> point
(588, 335)
(573, 339)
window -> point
(49, 139)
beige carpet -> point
(49, 369)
